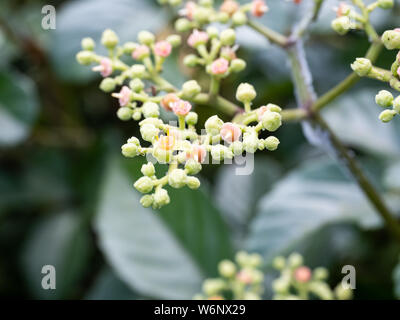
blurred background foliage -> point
(66, 195)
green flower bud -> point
(177, 178)
(162, 156)
(257, 276)
(295, 260)
(274, 108)
(108, 84)
(109, 39)
(124, 113)
(130, 150)
(137, 115)
(175, 2)
(239, 18)
(134, 140)
(227, 268)
(137, 71)
(228, 37)
(236, 147)
(385, 4)
(144, 185)
(242, 258)
(148, 169)
(343, 293)
(192, 166)
(150, 110)
(255, 260)
(238, 65)
(136, 85)
(146, 37)
(190, 89)
(281, 285)
(391, 39)
(175, 40)
(361, 66)
(271, 143)
(154, 121)
(85, 57)
(396, 105)
(147, 200)
(320, 273)
(279, 263)
(212, 287)
(213, 125)
(161, 198)
(341, 25)
(193, 182)
(202, 15)
(190, 60)
(212, 32)
(384, 99)
(88, 44)
(271, 121)
(220, 152)
(191, 118)
(129, 47)
(321, 289)
(245, 93)
(250, 142)
(387, 115)
(248, 295)
(183, 25)
(148, 132)
(223, 17)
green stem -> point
(270, 34)
(214, 86)
(181, 120)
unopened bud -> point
(384, 99)
(144, 185)
(177, 178)
(341, 25)
(109, 39)
(361, 66)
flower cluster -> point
(364, 68)
(143, 91)
(242, 280)
(350, 18)
(297, 281)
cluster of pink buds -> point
(239, 280)
(299, 282)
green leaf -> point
(162, 254)
(18, 107)
(58, 241)
(396, 279)
(354, 117)
(89, 18)
(311, 197)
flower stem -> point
(271, 35)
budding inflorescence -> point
(298, 282)
(239, 280)
(141, 92)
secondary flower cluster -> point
(242, 280)
(297, 281)
(143, 91)
(364, 68)
(349, 18)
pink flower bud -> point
(261, 111)
(197, 37)
(230, 132)
(140, 52)
(105, 67)
(124, 96)
(258, 8)
(168, 100)
(229, 7)
(188, 10)
(229, 53)
(302, 274)
(197, 153)
(181, 107)
(163, 49)
(220, 66)
(342, 10)
(244, 277)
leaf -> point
(354, 117)
(107, 286)
(89, 18)
(18, 107)
(396, 279)
(306, 200)
(159, 254)
(236, 194)
(57, 241)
